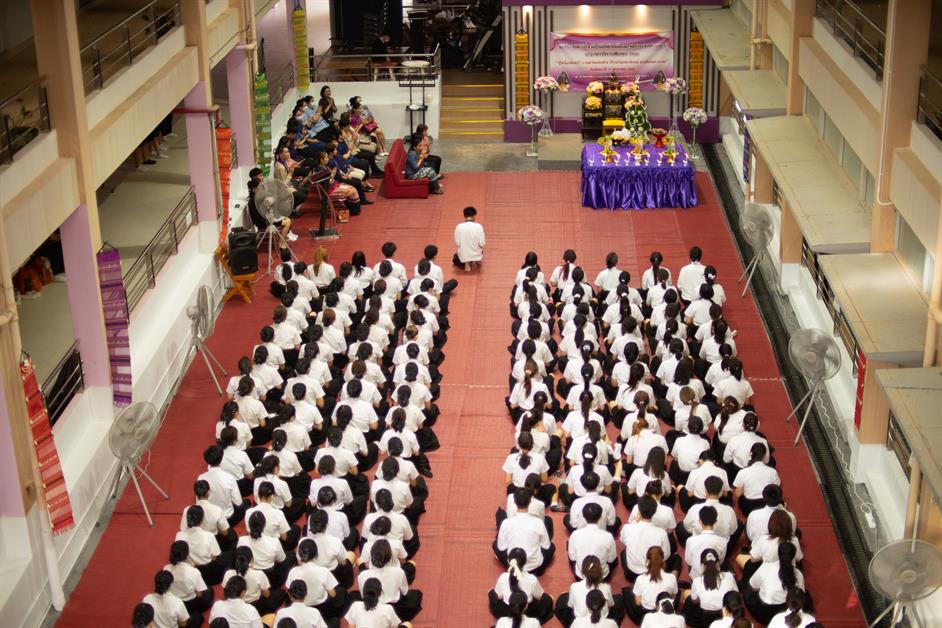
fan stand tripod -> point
(271, 231)
(809, 398)
(129, 468)
(899, 609)
(198, 345)
(750, 269)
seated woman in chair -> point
(326, 176)
(362, 119)
(426, 140)
(416, 168)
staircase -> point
(472, 106)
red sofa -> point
(395, 184)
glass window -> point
(779, 63)
(909, 249)
(832, 136)
(896, 442)
(852, 165)
(869, 188)
(813, 109)
(743, 9)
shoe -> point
(383, 154)
(440, 177)
(149, 162)
(170, 135)
(163, 156)
(366, 202)
(426, 472)
(291, 237)
(559, 508)
(378, 175)
(438, 191)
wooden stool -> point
(241, 284)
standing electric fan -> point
(130, 436)
(276, 202)
(904, 572)
(202, 324)
(816, 355)
(757, 227)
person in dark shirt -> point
(260, 221)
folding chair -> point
(241, 284)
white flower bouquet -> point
(546, 83)
(695, 116)
(531, 114)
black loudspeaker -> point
(243, 256)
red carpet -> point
(537, 211)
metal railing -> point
(23, 116)
(122, 43)
(63, 383)
(929, 107)
(279, 84)
(142, 276)
(333, 67)
(866, 38)
(809, 259)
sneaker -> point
(291, 237)
(559, 508)
(383, 154)
(149, 162)
(170, 135)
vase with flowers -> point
(547, 85)
(531, 115)
(694, 116)
(674, 86)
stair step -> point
(443, 133)
(472, 98)
(489, 116)
(469, 121)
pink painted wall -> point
(200, 147)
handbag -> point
(367, 144)
(343, 215)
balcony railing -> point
(929, 107)
(122, 43)
(63, 383)
(403, 67)
(280, 83)
(866, 38)
(23, 117)
(809, 259)
(142, 276)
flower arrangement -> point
(547, 83)
(595, 88)
(531, 114)
(593, 102)
(673, 85)
(695, 116)
(630, 88)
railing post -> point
(44, 107)
(176, 243)
(96, 69)
(153, 24)
(150, 265)
(6, 135)
(856, 36)
(127, 40)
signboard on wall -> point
(587, 58)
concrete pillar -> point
(802, 16)
(11, 501)
(789, 251)
(78, 249)
(201, 149)
(875, 409)
(907, 50)
(241, 118)
(762, 181)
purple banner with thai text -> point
(587, 58)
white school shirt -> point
(236, 463)
(665, 372)
(689, 280)
(538, 465)
(607, 279)
(697, 544)
(663, 517)
(638, 537)
(556, 277)
(399, 374)
(383, 616)
(266, 551)
(251, 410)
(697, 477)
(779, 620)
(275, 522)
(648, 278)
(649, 590)
(304, 616)
(169, 610)
(330, 550)
(626, 396)
(526, 532)
(710, 349)
(233, 386)
(363, 413)
(322, 276)
(307, 414)
(393, 579)
(344, 459)
(288, 334)
(401, 493)
(213, 521)
(754, 478)
(398, 270)
(318, 579)
(719, 294)
(508, 622)
(276, 357)
(603, 451)
(738, 449)
(591, 540)
(767, 582)
(640, 446)
(734, 425)
(282, 492)
(726, 521)
(567, 296)
(578, 591)
(243, 431)
(682, 418)
(576, 518)
(575, 423)
(269, 376)
(687, 449)
(739, 389)
(712, 599)
(574, 478)
(765, 548)
(237, 612)
(542, 353)
(340, 486)
(187, 580)
(255, 582)
(223, 490)
(673, 393)
(639, 479)
(522, 274)
(613, 316)
(757, 524)
(520, 398)
(203, 545)
(287, 463)
(469, 238)
(410, 443)
(399, 527)
(663, 620)
(526, 582)
(398, 551)
(415, 418)
(313, 385)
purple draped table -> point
(626, 185)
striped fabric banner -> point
(114, 304)
(50, 468)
